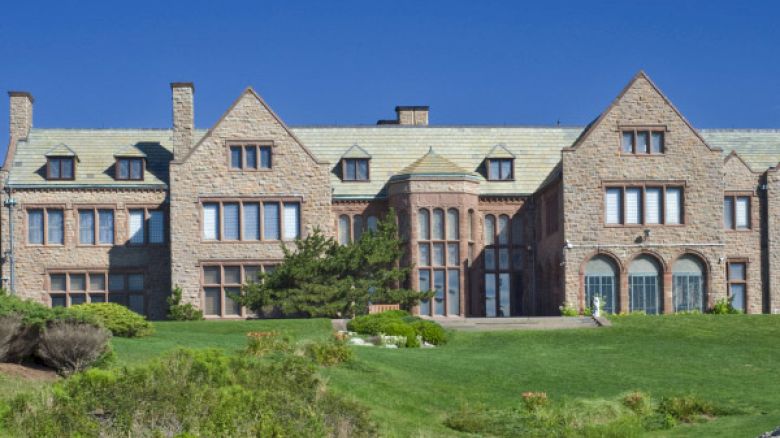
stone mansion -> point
(638, 207)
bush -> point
(71, 346)
(10, 326)
(327, 353)
(181, 312)
(724, 306)
(687, 409)
(568, 310)
(430, 331)
(263, 343)
(118, 319)
(192, 393)
(399, 323)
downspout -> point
(10, 202)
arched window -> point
(423, 224)
(688, 288)
(357, 226)
(490, 229)
(452, 224)
(438, 224)
(601, 281)
(644, 285)
(343, 229)
(371, 223)
(503, 229)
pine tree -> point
(321, 278)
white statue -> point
(596, 307)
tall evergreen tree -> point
(321, 278)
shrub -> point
(263, 343)
(10, 326)
(687, 409)
(399, 323)
(71, 346)
(181, 312)
(118, 319)
(327, 353)
(568, 310)
(533, 401)
(724, 306)
(192, 393)
(430, 331)
(637, 402)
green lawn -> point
(732, 360)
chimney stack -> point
(21, 111)
(409, 116)
(183, 118)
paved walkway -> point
(524, 323)
(521, 323)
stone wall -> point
(596, 161)
(746, 244)
(33, 262)
(295, 175)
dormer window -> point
(500, 169)
(354, 164)
(355, 169)
(60, 168)
(130, 169)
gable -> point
(640, 104)
(250, 118)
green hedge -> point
(120, 320)
(399, 323)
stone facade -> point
(510, 254)
(204, 174)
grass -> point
(729, 360)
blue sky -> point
(350, 62)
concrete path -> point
(516, 323)
(519, 323)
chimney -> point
(408, 116)
(183, 118)
(21, 111)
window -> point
(60, 168)
(351, 228)
(438, 260)
(642, 142)
(737, 284)
(644, 285)
(77, 287)
(250, 157)
(502, 258)
(92, 232)
(688, 288)
(736, 212)
(601, 281)
(500, 169)
(146, 226)
(221, 281)
(130, 169)
(639, 205)
(45, 226)
(355, 169)
(248, 220)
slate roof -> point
(391, 148)
(433, 165)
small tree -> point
(324, 279)
(181, 312)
